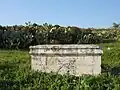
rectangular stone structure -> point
(73, 59)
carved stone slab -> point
(62, 59)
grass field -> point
(16, 74)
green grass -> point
(16, 74)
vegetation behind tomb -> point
(23, 36)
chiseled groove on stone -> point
(64, 46)
(66, 54)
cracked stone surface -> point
(75, 59)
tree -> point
(115, 25)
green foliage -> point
(21, 37)
(16, 74)
(116, 26)
(109, 35)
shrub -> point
(21, 37)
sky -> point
(81, 13)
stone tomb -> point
(74, 59)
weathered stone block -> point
(75, 59)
